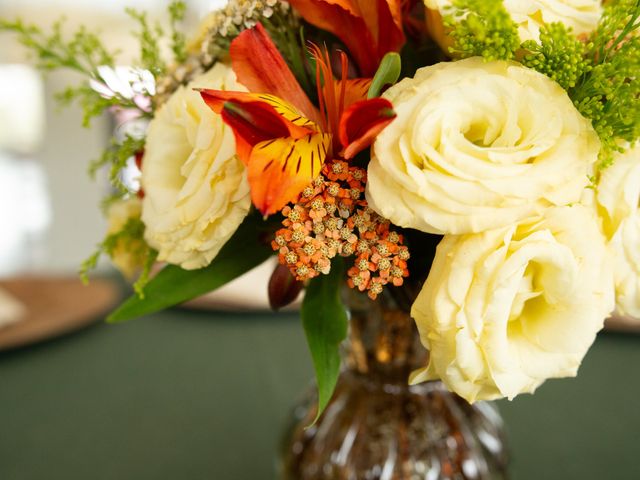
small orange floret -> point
(331, 218)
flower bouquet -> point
(349, 138)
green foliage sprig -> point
(129, 239)
(559, 55)
(83, 52)
(115, 159)
(150, 37)
(608, 94)
(177, 11)
(482, 28)
(619, 20)
(91, 103)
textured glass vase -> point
(379, 427)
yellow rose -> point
(503, 310)
(196, 190)
(129, 254)
(618, 197)
(478, 145)
(529, 15)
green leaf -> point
(173, 285)
(387, 74)
(325, 322)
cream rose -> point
(503, 310)
(581, 15)
(618, 196)
(196, 190)
(478, 145)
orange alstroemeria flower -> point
(368, 28)
(280, 136)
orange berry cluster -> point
(330, 218)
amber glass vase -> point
(379, 427)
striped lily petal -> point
(281, 168)
(283, 150)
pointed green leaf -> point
(387, 74)
(325, 322)
(173, 285)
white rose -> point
(478, 145)
(503, 310)
(618, 197)
(196, 190)
(581, 15)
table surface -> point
(195, 395)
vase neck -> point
(383, 339)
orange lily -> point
(280, 136)
(368, 28)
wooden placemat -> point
(55, 306)
(620, 323)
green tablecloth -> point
(191, 395)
